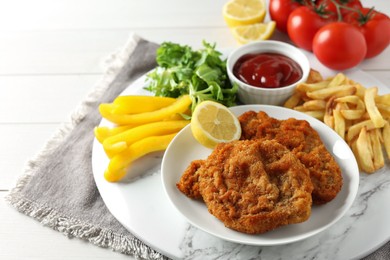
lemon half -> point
(214, 123)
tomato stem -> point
(364, 18)
(340, 6)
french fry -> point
(364, 136)
(372, 109)
(339, 123)
(308, 87)
(384, 110)
(377, 153)
(354, 130)
(319, 114)
(315, 105)
(338, 80)
(328, 116)
(386, 138)
(385, 99)
(364, 151)
(357, 114)
(293, 101)
(314, 76)
(336, 91)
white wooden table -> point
(51, 55)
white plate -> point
(143, 208)
(184, 149)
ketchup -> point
(267, 70)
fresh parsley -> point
(199, 73)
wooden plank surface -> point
(52, 53)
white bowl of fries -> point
(249, 94)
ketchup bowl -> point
(267, 72)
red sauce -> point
(267, 70)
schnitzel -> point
(303, 141)
(267, 179)
(252, 186)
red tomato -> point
(329, 6)
(279, 11)
(375, 27)
(302, 25)
(339, 46)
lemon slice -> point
(244, 12)
(253, 32)
(214, 123)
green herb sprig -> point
(199, 73)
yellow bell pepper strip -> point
(117, 168)
(103, 132)
(140, 104)
(117, 143)
(179, 106)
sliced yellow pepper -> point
(117, 168)
(140, 104)
(103, 132)
(117, 143)
(179, 106)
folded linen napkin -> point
(58, 188)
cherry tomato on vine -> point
(375, 27)
(302, 25)
(339, 46)
(279, 11)
(329, 6)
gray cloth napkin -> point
(58, 188)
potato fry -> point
(372, 109)
(355, 113)
(328, 116)
(308, 87)
(338, 80)
(319, 114)
(336, 91)
(315, 105)
(354, 130)
(358, 114)
(384, 110)
(293, 101)
(386, 138)
(364, 151)
(377, 153)
(385, 99)
(339, 123)
(314, 76)
(360, 90)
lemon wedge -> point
(214, 123)
(253, 32)
(244, 12)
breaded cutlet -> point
(252, 186)
(301, 139)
